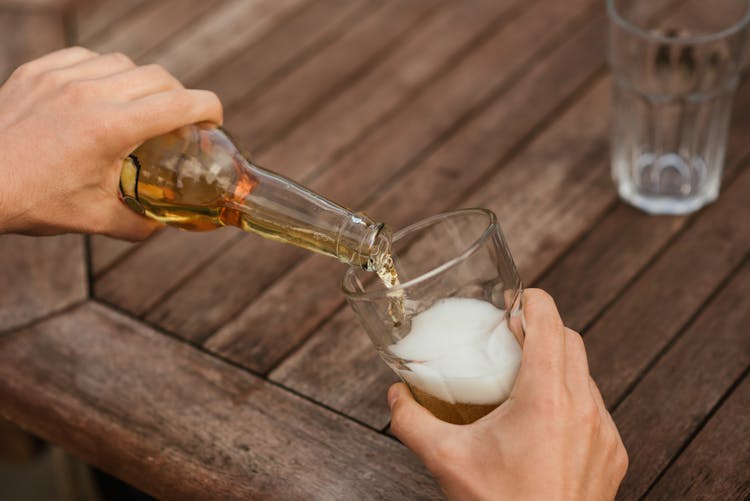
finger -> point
(576, 364)
(160, 113)
(57, 59)
(127, 225)
(414, 425)
(95, 67)
(543, 357)
(138, 82)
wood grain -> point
(151, 25)
(714, 466)
(39, 276)
(363, 106)
(105, 251)
(27, 35)
(674, 397)
(636, 328)
(234, 24)
(320, 296)
(181, 425)
(137, 281)
(94, 18)
(377, 157)
(258, 65)
(260, 120)
(17, 446)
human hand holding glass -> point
(552, 439)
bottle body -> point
(197, 178)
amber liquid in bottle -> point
(197, 178)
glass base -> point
(668, 183)
(665, 205)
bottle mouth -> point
(378, 248)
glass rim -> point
(448, 264)
(615, 16)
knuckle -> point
(52, 79)
(574, 337)
(553, 403)
(621, 460)
(77, 90)
(77, 49)
(24, 71)
(119, 58)
(590, 415)
(575, 340)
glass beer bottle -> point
(197, 178)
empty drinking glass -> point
(674, 75)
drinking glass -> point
(457, 342)
(674, 76)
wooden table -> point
(219, 365)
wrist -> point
(12, 211)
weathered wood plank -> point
(571, 141)
(593, 273)
(57, 5)
(94, 18)
(17, 446)
(260, 120)
(674, 397)
(26, 36)
(400, 76)
(106, 250)
(137, 281)
(233, 25)
(147, 27)
(479, 144)
(39, 276)
(714, 466)
(655, 307)
(382, 154)
(317, 24)
(180, 424)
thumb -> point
(127, 225)
(414, 425)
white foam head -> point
(460, 350)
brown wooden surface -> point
(219, 365)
